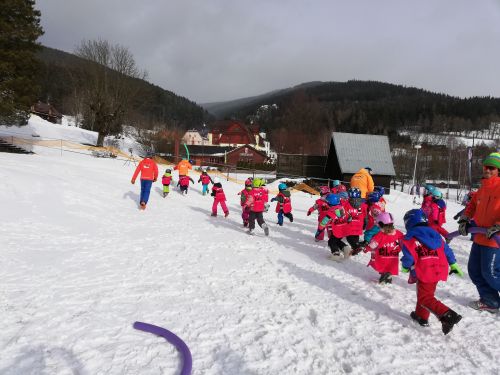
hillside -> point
(81, 264)
(61, 71)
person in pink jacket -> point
(257, 201)
(244, 194)
(219, 198)
(322, 207)
(149, 173)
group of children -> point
(344, 214)
(427, 258)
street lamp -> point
(415, 168)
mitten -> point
(405, 270)
(318, 232)
(463, 225)
(454, 268)
(493, 230)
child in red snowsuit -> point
(244, 194)
(284, 204)
(184, 183)
(219, 198)
(257, 201)
(437, 216)
(385, 247)
(335, 215)
(205, 179)
(322, 208)
(428, 256)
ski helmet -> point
(335, 183)
(414, 218)
(168, 170)
(282, 186)
(354, 193)
(324, 190)
(373, 197)
(248, 182)
(369, 169)
(343, 195)
(333, 199)
(384, 218)
(256, 182)
(380, 190)
(436, 193)
(341, 188)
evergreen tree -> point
(19, 31)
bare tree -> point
(108, 89)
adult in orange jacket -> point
(149, 173)
(183, 167)
(484, 260)
(363, 180)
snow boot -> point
(419, 320)
(385, 278)
(142, 206)
(336, 256)
(266, 229)
(226, 214)
(448, 320)
(250, 232)
(347, 252)
(245, 224)
(478, 305)
(213, 214)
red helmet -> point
(248, 182)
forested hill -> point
(364, 107)
(60, 71)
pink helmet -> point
(385, 218)
(323, 190)
(248, 182)
(341, 188)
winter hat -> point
(493, 160)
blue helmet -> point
(373, 197)
(380, 190)
(414, 218)
(343, 195)
(333, 199)
(282, 186)
(354, 193)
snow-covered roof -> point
(356, 151)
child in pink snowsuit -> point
(244, 194)
(219, 198)
(385, 247)
(322, 206)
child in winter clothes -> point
(385, 247)
(357, 209)
(337, 187)
(425, 252)
(219, 198)
(322, 206)
(284, 205)
(335, 215)
(257, 201)
(166, 180)
(376, 205)
(244, 194)
(184, 183)
(438, 213)
(205, 179)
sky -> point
(217, 50)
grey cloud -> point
(222, 49)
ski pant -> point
(484, 271)
(145, 190)
(353, 241)
(204, 189)
(427, 302)
(336, 244)
(245, 214)
(184, 189)
(166, 188)
(255, 216)
(222, 204)
(280, 217)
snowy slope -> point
(80, 263)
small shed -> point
(349, 152)
(47, 112)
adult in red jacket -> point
(484, 260)
(149, 173)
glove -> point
(154, 180)
(309, 212)
(493, 230)
(405, 270)
(132, 181)
(412, 279)
(273, 200)
(454, 268)
(463, 225)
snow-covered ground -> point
(80, 264)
